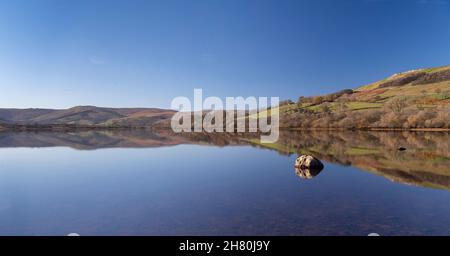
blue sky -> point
(58, 54)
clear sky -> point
(58, 54)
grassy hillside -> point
(414, 99)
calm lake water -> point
(139, 183)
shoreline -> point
(73, 128)
(371, 129)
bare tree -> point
(396, 105)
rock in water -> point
(308, 162)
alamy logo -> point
(238, 114)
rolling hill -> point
(416, 99)
(84, 116)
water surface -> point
(146, 183)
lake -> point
(137, 182)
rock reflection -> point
(307, 174)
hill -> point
(417, 99)
(84, 116)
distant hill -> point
(85, 116)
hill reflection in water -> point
(425, 162)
